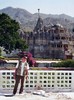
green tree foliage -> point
(9, 36)
(0, 51)
(65, 63)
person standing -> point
(21, 73)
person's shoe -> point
(21, 94)
(14, 93)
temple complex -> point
(53, 41)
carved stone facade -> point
(54, 41)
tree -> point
(0, 51)
(9, 36)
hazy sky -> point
(46, 6)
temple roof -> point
(39, 25)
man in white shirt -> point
(21, 73)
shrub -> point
(65, 63)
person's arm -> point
(17, 65)
(16, 70)
(26, 71)
(26, 74)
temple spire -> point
(38, 13)
(39, 25)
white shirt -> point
(23, 65)
(22, 68)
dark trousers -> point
(19, 79)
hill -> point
(28, 20)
